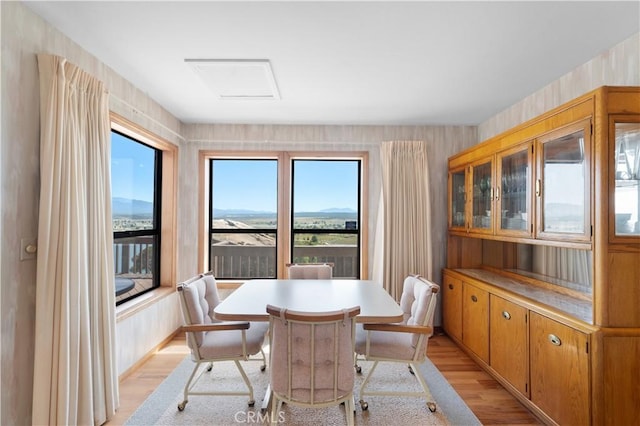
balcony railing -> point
(241, 262)
(132, 258)
(133, 263)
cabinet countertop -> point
(579, 309)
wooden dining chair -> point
(404, 342)
(310, 271)
(311, 359)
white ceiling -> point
(391, 63)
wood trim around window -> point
(284, 178)
(168, 221)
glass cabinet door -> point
(481, 197)
(457, 198)
(562, 188)
(513, 190)
(627, 179)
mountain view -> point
(130, 208)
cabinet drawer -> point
(559, 370)
(509, 349)
(475, 320)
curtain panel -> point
(75, 376)
(406, 214)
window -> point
(267, 209)
(135, 175)
(243, 212)
(325, 214)
(143, 210)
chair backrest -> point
(310, 271)
(418, 302)
(312, 354)
(199, 296)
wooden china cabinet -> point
(542, 285)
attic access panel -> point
(237, 79)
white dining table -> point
(249, 301)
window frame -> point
(212, 230)
(165, 197)
(357, 232)
(284, 219)
(155, 231)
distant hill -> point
(337, 210)
(232, 212)
(127, 207)
(240, 212)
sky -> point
(252, 185)
(131, 169)
(242, 184)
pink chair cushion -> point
(310, 272)
(414, 302)
(385, 344)
(323, 357)
(201, 297)
(220, 344)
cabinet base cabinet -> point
(620, 379)
(559, 371)
(452, 306)
(508, 342)
(475, 320)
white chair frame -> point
(337, 319)
(191, 329)
(424, 331)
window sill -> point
(136, 305)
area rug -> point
(160, 408)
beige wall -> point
(617, 66)
(443, 141)
(24, 35)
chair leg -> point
(431, 404)
(349, 411)
(188, 386)
(247, 382)
(363, 403)
(264, 361)
(274, 415)
(355, 364)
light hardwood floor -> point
(488, 400)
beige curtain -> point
(75, 375)
(406, 210)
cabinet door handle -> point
(538, 187)
(506, 315)
(555, 340)
(497, 193)
(450, 286)
(474, 298)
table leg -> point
(266, 402)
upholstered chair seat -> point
(211, 340)
(311, 359)
(404, 342)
